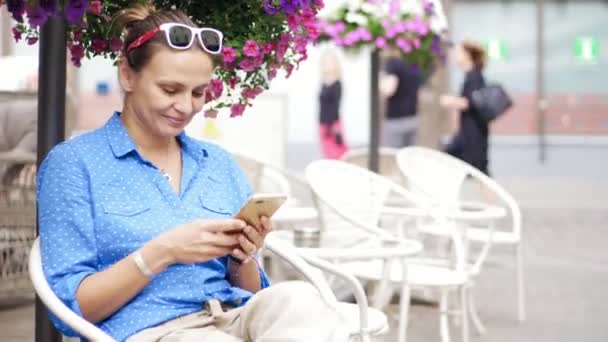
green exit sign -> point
(497, 49)
(587, 49)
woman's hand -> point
(251, 240)
(453, 102)
(201, 240)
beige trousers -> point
(285, 312)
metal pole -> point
(51, 127)
(5, 23)
(541, 102)
(375, 117)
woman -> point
(399, 87)
(471, 141)
(134, 217)
(330, 127)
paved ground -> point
(566, 231)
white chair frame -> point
(285, 252)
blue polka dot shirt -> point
(99, 200)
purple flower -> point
(32, 40)
(50, 6)
(429, 7)
(36, 16)
(251, 48)
(75, 9)
(16, 34)
(270, 8)
(290, 6)
(17, 9)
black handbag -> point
(491, 101)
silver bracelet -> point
(141, 264)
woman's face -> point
(166, 94)
(463, 59)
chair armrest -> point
(354, 285)
(55, 305)
(290, 256)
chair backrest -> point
(349, 195)
(261, 176)
(441, 176)
(427, 172)
(352, 196)
(55, 305)
(386, 159)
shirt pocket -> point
(128, 209)
(216, 207)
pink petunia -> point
(292, 22)
(381, 43)
(237, 109)
(251, 48)
(307, 16)
(115, 44)
(289, 69)
(234, 80)
(272, 74)
(267, 48)
(95, 7)
(229, 54)
(216, 87)
(98, 45)
(247, 65)
(404, 45)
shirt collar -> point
(121, 143)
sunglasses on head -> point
(181, 37)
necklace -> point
(163, 172)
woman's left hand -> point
(252, 240)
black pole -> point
(541, 102)
(375, 118)
(51, 123)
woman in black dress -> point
(330, 127)
(471, 141)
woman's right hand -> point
(200, 241)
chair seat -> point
(476, 234)
(378, 323)
(419, 274)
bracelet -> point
(141, 264)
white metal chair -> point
(441, 177)
(357, 197)
(365, 322)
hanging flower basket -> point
(262, 37)
(413, 28)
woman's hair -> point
(476, 52)
(135, 21)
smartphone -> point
(258, 205)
